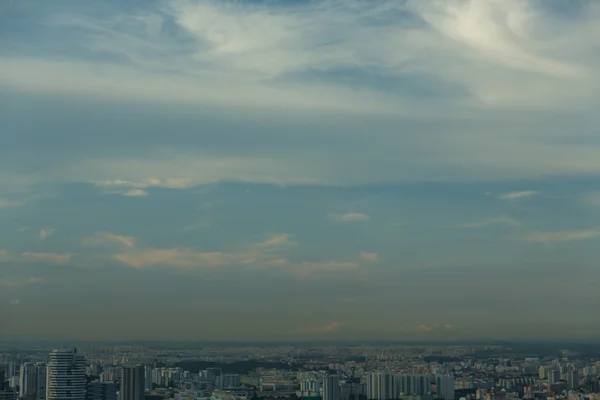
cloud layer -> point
(342, 157)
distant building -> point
(229, 381)
(573, 379)
(148, 378)
(101, 391)
(8, 394)
(553, 377)
(331, 387)
(65, 378)
(27, 379)
(382, 386)
(444, 385)
(132, 383)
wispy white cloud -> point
(331, 327)
(16, 283)
(135, 193)
(370, 257)
(46, 257)
(433, 327)
(561, 236)
(349, 217)
(502, 220)
(182, 258)
(45, 233)
(592, 199)
(102, 239)
(518, 195)
(28, 256)
(9, 203)
(278, 241)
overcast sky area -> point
(299, 170)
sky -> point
(300, 169)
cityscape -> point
(301, 372)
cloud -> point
(136, 193)
(491, 221)
(183, 258)
(370, 257)
(45, 233)
(592, 199)
(561, 236)
(349, 217)
(14, 302)
(32, 256)
(104, 239)
(16, 283)
(22, 229)
(9, 204)
(331, 327)
(518, 195)
(310, 269)
(48, 257)
(276, 240)
(426, 69)
(432, 328)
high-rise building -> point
(101, 391)
(553, 377)
(573, 379)
(132, 383)
(27, 379)
(65, 378)
(230, 381)
(444, 385)
(382, 386)
(40, 385)
(148, 378)
(331, 387)
(8, 394)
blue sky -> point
(300, 170)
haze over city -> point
(299, 170)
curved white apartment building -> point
(65, 379)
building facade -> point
(132, 383)
(65, 377)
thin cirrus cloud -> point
(433, 327)
(518, 195)
(29, 256)
(135, 193)
(264, 254)
(45, 233)
(17, 283)
(331, 327)
(501, 220)
(104, 239)
(561, 236)
(349, 217)
(447, 60)
(371, 257)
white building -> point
(65, 378)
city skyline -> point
(319, 170)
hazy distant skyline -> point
(256, 170)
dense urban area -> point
(299, 372)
